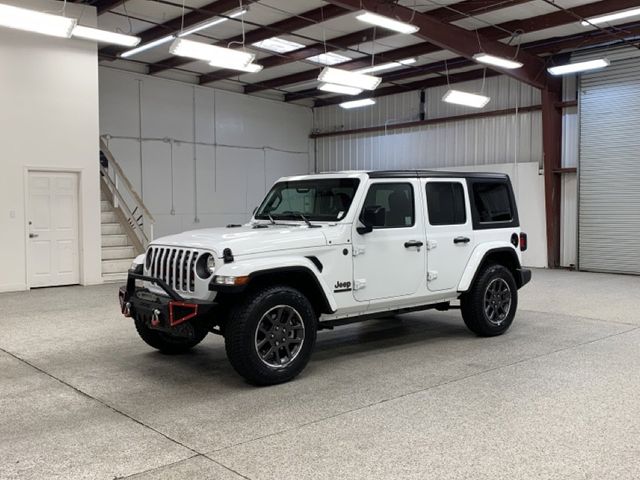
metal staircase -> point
(126, 223)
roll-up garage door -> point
(609, 211)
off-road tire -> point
(167, 343)
(242, 327)
(473, 303)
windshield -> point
(325, 200)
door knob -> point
(461, 240)
(33, 235)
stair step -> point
(105, 206)
(115, 241)
(112, 229)
(108, 217)
(116, 253)
(116, 266)
(114, 277)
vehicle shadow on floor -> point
(338, 345)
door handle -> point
(33, 235)
(413, 243)
(461, 240)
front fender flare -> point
(261, 266)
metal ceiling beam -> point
(547, 46)
(451, 13)
(456, 39)
(103, 6)
(539, 47)
(174, 25)
(287, 25)
(497, 32)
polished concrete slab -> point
(414, 396)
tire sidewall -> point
(262, 302)
(491, 273)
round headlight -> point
(205, 265)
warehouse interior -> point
(112, 138)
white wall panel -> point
(227, 151)
(48, 120)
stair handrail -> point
(138, 215)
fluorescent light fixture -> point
(358, 103)
(387, 22)
(387, 66)
(348, 79)
(251, 68)
(329, 58)
(465, 98)
(210, 23)
(611, 17)
(497, 61)
(217, 56)
(330, 87)
(579, 67)
(147, 46)
(37, 22)
(105, 36)
(278, 45)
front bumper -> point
(159, 312)
(523, 276)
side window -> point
(389, 205)
(492, 202)
(445, 203)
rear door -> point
(390, 261)
(449, 228)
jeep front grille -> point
(176, 266)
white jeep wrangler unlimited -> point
(330, 249)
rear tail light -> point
(523, 242)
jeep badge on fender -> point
(328, 249)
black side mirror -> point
(372, 216)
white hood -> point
(246, 239)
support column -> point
(552, 151)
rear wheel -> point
(191, 335)
(270, 336)
(489, 307)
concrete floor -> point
(416, 396)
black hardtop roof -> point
(434, 173)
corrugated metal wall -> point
(609, 218)
(485, 141)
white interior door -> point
(53, 229)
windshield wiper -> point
(305, 219)
(273, 222)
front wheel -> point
(270, 336)
(489, 307)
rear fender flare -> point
(479, 255)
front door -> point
(449, 232)
(390, 260)
(53, 229)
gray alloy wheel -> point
(497, 301)
(279, 336)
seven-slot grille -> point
(176, 266)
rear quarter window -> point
(493, 204)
